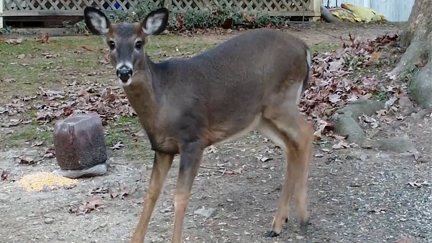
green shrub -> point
(5, 30)
(222, 14)
(199, 19)
(215, 16)
(141, 10)
(264, 20)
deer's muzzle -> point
(124, 73)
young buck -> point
(253, 81)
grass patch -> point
(324, 47)
(29, 133)
(166, 46)
(122, 130)
(125, 130)
(31, 64)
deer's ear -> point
(155, 22)
(96, 21)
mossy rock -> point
(346, 119)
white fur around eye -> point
(99, 23)
(153, 23)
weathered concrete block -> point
(80, 145)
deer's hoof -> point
(271, 234)
(304, 225)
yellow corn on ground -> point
(40, 180)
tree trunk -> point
(417, 36)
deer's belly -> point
(230, 132)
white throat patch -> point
(129, 81)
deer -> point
(252, 81)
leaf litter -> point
(50, 105)
(335, 81)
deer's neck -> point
(141, 95)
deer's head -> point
(126, 41)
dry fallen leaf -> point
(374, 57)
(99, 190)
(91, 204)
(49, 153)
(26, 160)
(211, 149)
(369, 120)
(121, 192)
(67, 111)
(390, 102)
(4, 175)
(15, 40)
(117, 146)
(377, 210)
(418, 184)
(87, 48)
(248, 18)
(323, 126)
(341, 145)
(44, 38)
(263, 158)
(12, 123)
(37, 143)
(9, 80)
(405, 240)
(334, 98)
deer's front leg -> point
(190, 160)
(161, 165)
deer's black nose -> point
(124, 73)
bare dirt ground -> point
(355, 194)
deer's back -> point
(247, 65)
(229, 84)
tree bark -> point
(415, 37)
(417, 59)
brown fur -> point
(185, 105)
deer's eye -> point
(138, 45)
(111, 44)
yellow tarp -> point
(355, 13)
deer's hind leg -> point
(287, 128)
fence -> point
(16, 8)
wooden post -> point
(316, 6)
(1, 14)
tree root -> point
(421, 86)
(409, 59)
